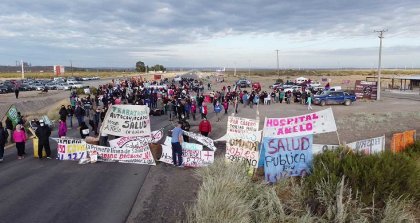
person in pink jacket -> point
(62, 129)
(19, 136)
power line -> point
(381, 36)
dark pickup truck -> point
(334, 97)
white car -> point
(63, 86)
(75, 84)
(314, 84)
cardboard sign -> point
(71, 149)
(369, 146)
(239, 150)
(366, 89)
(313, 123)
(401, 140)
(127, 120)
(287, 157)
(190, 158)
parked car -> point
(63, 86)
(51, 86)
(3, 89)
(243, 83)
(25, 87)
(38, 87)
(334, 97)
(276, 85)
(75, 84)
(314, 84)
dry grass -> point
(228, 195)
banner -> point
(154, 137)
(206, 141)
(366, 89)
(71, 149)
(127, 120)
(320, 148)
(192, 146)
(287, 157)
(401, 140)
(13, 116)
(131, 152)
(190, 158)
(369, 146)
(313, 123)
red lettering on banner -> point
(269, 123)
(315, 116)
(282, 122)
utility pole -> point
(249, 68)
(381, 36)
(71, 67)
(23, 70)
(234, 72)
(278, 71)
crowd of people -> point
(179, 100)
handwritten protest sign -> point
(130, 152)
(190, 158)
(154, 137)
(369, 146)
(239, 150)
(206, 141)
(319, 148)
(313, 123)
(127, 120)
(287, 157)
(241, 125)
(71, 149)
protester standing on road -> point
(226, 106)
(70, 113)
(63, 113)
(217, 110)
(204, 111)
(193, 109)
(62, 128)
(176, 142)
(9, 128)
(204, 127)
(309, 101)
(17, 91)
(19, 136)
(3, 140)
(43, 132)
(80, 113)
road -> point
(35, 190)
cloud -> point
(129, 26)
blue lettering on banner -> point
(286, 157)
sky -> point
(198, 33)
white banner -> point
(131, 152)
(155, 137)
(71, 149)
(206, 141)
(192, 146)
(369, 146)
(127, 120)
(313, 123)
(190, 158)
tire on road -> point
(322, 103)
(347, 102)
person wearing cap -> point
(43, 132)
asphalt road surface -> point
(33, 190)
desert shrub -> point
(376, 178)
